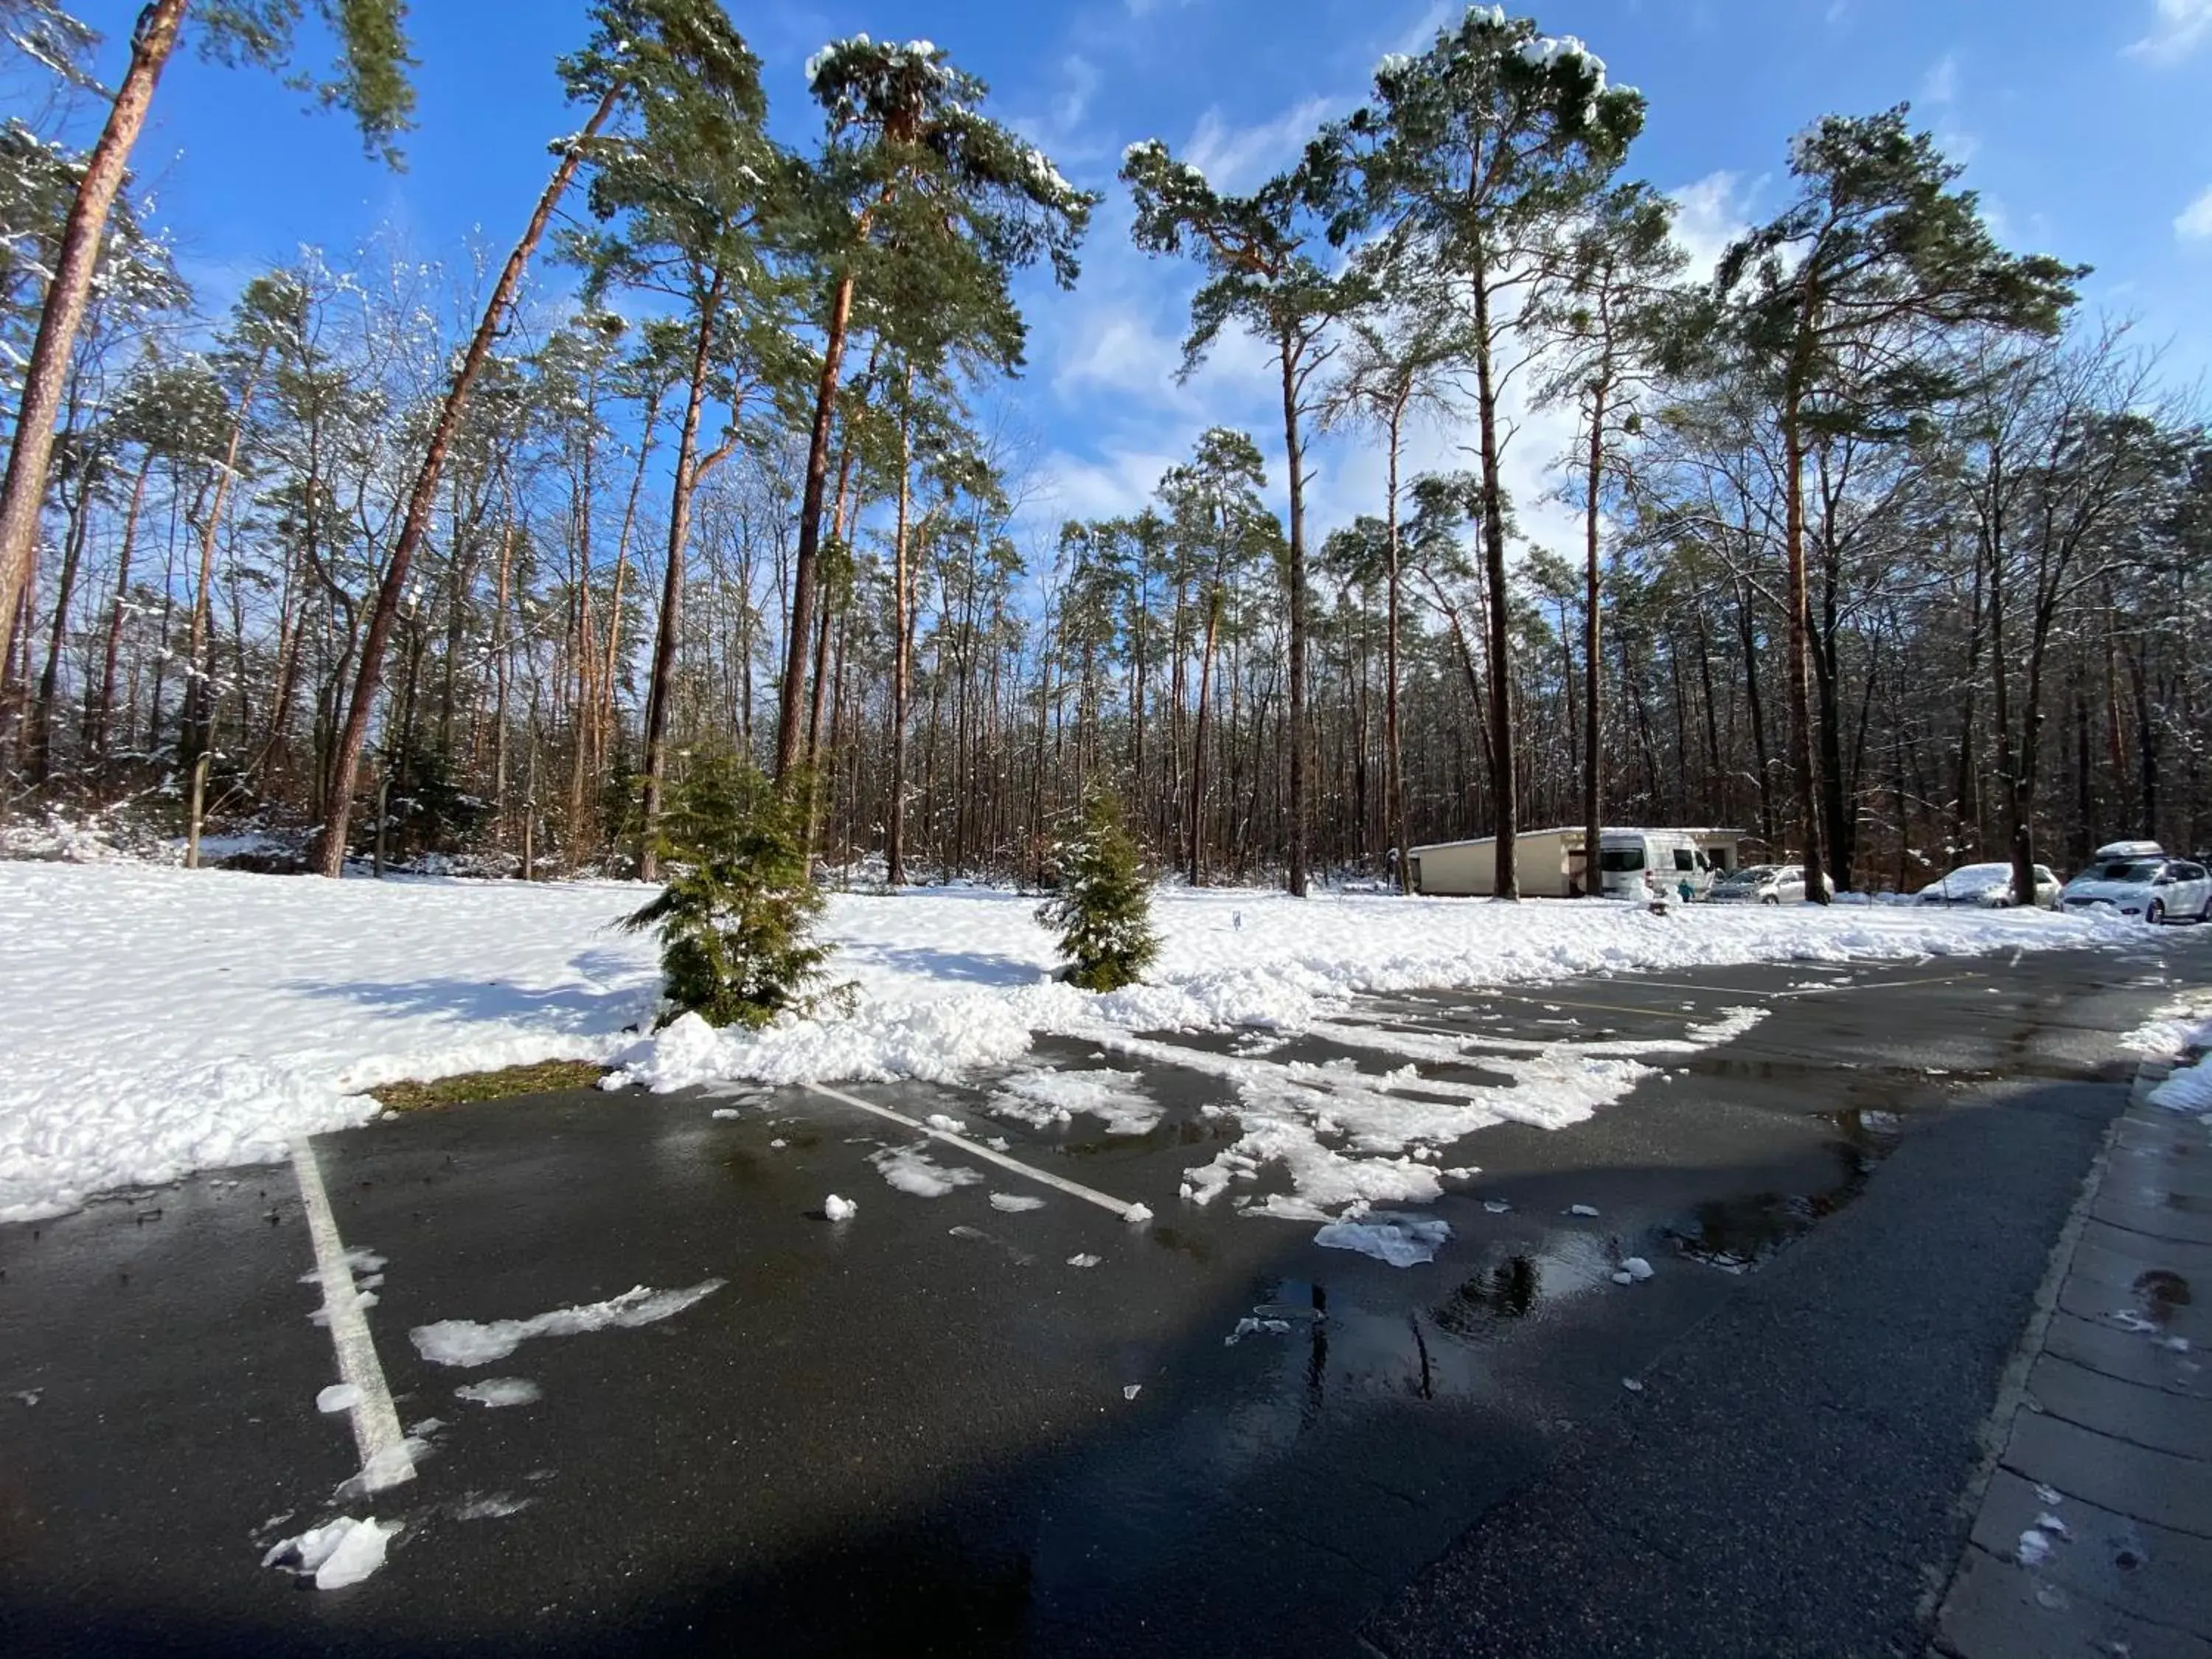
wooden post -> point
(198, 801)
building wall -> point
(1469, 868)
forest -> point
(1893, 553)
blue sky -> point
(2084, 127)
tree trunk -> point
(1503, 784)
(800, 628)
(40, 735)
(1393, 754)
(1801, 750)
(330, 855)
(196, 711)
(662, 687)
(1294, 463)
(1196, 827)
(101, 717)
(23, 497)
(901, 648)
(1593, 664)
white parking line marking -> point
(1091, 1195)
(385, 1461)
(1675, 985)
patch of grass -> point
(547, 1077)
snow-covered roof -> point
(1706, 832)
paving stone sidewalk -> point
(2094, 1535)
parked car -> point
(1761, 884)
(2136, 878)
(1989, 885)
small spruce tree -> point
(735, 919)
(1103, 909)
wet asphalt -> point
(925, 1431)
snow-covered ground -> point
(159, 1021)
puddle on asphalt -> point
(1737, 1234)
(2160, 1292)
(1507, 1289)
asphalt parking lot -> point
(956, 1424)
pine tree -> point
(1877, 259)
(1254, 248)
(1466, 164)
(916, 201)
(370, 79)
(1103, 909)
(735, 919)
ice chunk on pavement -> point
(2033, 1546)
(1582, 1209)
(727, 1111)
(1637, 1268)
(998, 1143)
(1624, 1276)
(1136, 1215)
(466, 1342)
(2052, 1524)
(910, 1169)
(496, 1506)
(2050, 1495)
(340, 1552)
(358, 1555)
(943, 1121)
(839, 1209)
(1496, 1205)
(1085, 1260)
(1251, 1326)
(338, 1397)
(1401, 1240)
(497, 1391)
(1015, 1203)
(1631, 1385)
(1131, 1390)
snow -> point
(911, 1169)
(495, 1392)
(1049, 1099)
(162, 1021)
(1015, 1203)
(340, 1553)
(338, 1397)
(465, 1342)
(1403, 1241)
(2176, 1032)
(1637, 1268)
(839, 1209)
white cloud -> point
(1118, 348)
(1940, 85)
(2182, 27)
(2194, 222)
(1236, 158)
(1709, 213)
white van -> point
(1648, 864)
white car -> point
(2136, 883)
(1989, 885)
(1760, 884)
